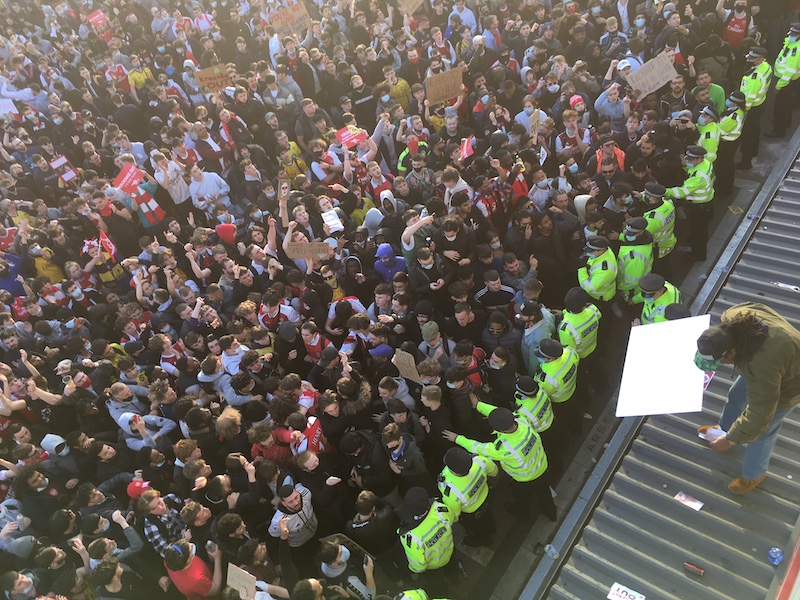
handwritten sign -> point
(351, 136)
(66, 172)
(533, 125)
(129, 179)
(409, 6)
(652, 75)
(407, 366)
(292, 20)
(242, 581)
(304, 250)
(443, 87)
(213, 78)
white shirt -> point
(624, 23)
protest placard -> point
(351, 136)
(242, 581)
(332, 220)
(284, 187)
(293, 19)
(407, 366)
(101, 24)
(8, 109)
(307, 250)
(409, 6)
(443, 87)
(652, 75)
(66, 172)
(129, 179)
(213, 78)
(466, 147)
(533, 124)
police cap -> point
(635, 225)
(651, 283)
(417, 501)
(576, 299)
(458, 460)
(655, 189)
(597, 242)
(695, 152)
(500, 419)
(549, 349)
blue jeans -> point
(758, 452)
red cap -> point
(227, 233)
(137, 488)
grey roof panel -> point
(639, 535)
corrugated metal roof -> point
(639, 535)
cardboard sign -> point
(102, 25)
(355, 548)
(443, 87)
(284, 187)
(351, 136)
(466, 147)
(332, 220)
(129, 179)
(533, 125)
(652, 75)
(242, 581)
(9, 109)
(292, 20)
(212, 79)
(310, 250)
(407, 366)
(66, 172)
(409, 6)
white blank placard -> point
(660, 376)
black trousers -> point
(784, 104)
(751, 132)
(480, 524)
(699, 220)
(537, 490)
(724, 168)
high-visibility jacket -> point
(599, 276)
(415, 595)
(731, 123)
(634, 261)
(709, 139)
(699, 186)
(430, 545)
(467, 493)
(520, 453)
(579, 330)
(787, 64)
(537, 410)
(755, 85)
(661, 225)
(559, 377)
(653, 312)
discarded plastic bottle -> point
(551, 551)
(775, 556)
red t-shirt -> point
(195, 582)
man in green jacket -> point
(765, 349)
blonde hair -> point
(229, 423)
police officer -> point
(755, 85)
(533, 405)
(656, 295)
(698, 191)
(558, 377)
(518, 449)
(413, 595)
(635, 257)
(579, 327)
(427, 538)
(731, 123)
(708, 128)
(464, 485)
(787, 71)
(598, 272)
(660, 216)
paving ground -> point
(501, 571)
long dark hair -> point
(749, 334)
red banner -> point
(466, 147)
(129, 179)
(101, 25)
(66, 172)
(351, 136)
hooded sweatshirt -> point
(157, 429)
(221, 381)
(302, 524)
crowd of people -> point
(186, 389)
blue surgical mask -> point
(701, 120)
(676, 114)
(630, 238)
(640, 23)
(573, 168)
(529, 111)
(495, 367)
(258, 214)
(107, 525)
(729, 104)
(793, 38)
(629, 200)
(451, 385)
(345, 554)
(595, 10)
(553, 89)
(385, 98)
(649, 300)
(426, 267)
(485, 98)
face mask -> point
(223, 218)
(271, 194)
(595, 10)
(553, 89)
(495, 245)
(573, 168)
(258, 214)
(57, 121)
(542, 185)
(77, 293)
(27, 590)
(44, 487)
(629, 200)
(426, 267)
(630, 238)
(194, 548)
(529, 111)
(495, 367)
(107, 526)
(425, 381)
(740, 8)
(640, 23)
(450, 239)
(485, 99)
(649, 300)
(413, 61)
(461, 362)
(345, 554)
(729, 104)
(702, 121)
(161, 49)
(216, 36)
(451, 385)
(385, 98)
(793, 38)
(675, 115)
(706, 363)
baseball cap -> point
(137, 488)
(328, 355)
